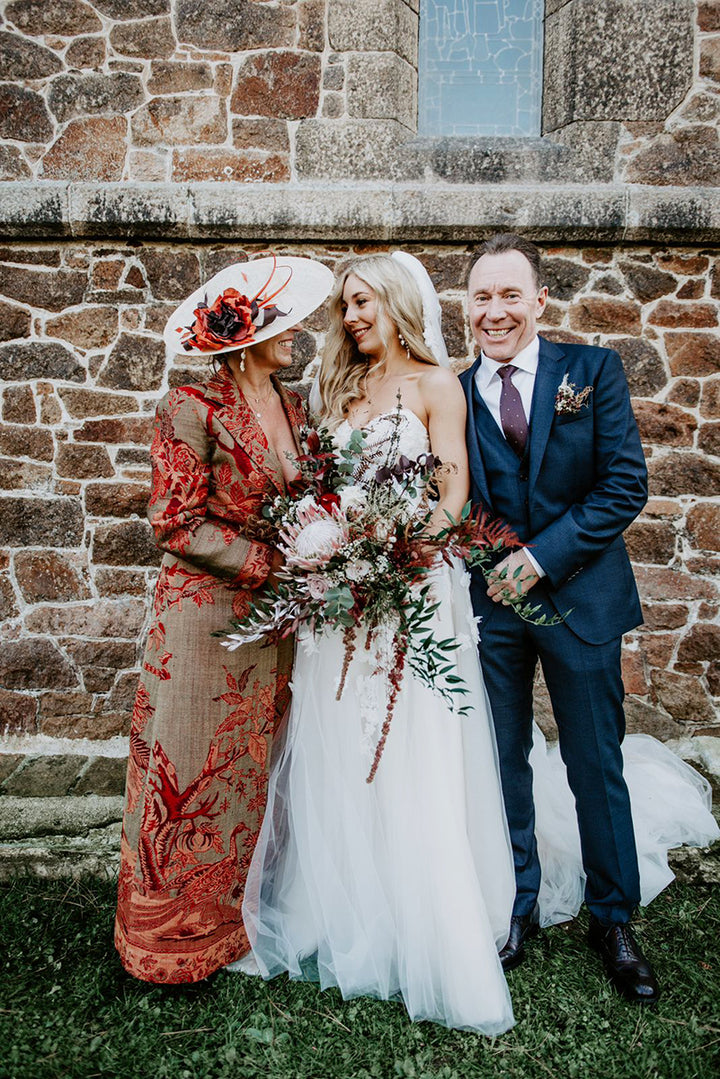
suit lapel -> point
(475, 459)
(542, 411)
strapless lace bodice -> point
(402, 425)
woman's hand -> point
(276, 563)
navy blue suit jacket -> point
(587, 483)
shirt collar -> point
(526, 360)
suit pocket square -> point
(571, 417)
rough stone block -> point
(311, 25)
(593, 314)
(86, 52)
(325, 150)
(603, 62)
(44, 576)
(83, 462)
(593, 145)
(382, 86)
(34, 663)
(644, 368)
(22, 59)
(230, 165)
(180, 120)
(14, 322)
(116, 499)
(128, 544)
(23, 115)
(113, 431)
(683, 697)
(644, 718)
(24, 476)
(685, 391)
(483, 160)
(710, 59)
(374, 26)
(671, 314)
(30, 522)
(44, 777)
(66, 18)
(665, 615)
(283, 85)
(175, 76)
(651, 541)
(89, 328)
(151, 39)
(104, 618)
(135, 363)
(19, 404)
(19, 442)
(709, 439)
(647, 283)
(132, 9)
(234, 25)
(683, 473)
(119, 582)
(695, 354)
(33, 210)
(17, 716)
(663, 424)
(8, 602)
(83, 403)
(103, 776)
(75, 95)
(12, 164)
(92, 149)
(710, 401)
(675, 156)
(564, 278)
(701, 644)
(40, 288)
(671, 584)
(260, 134)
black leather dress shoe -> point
(522, 928)
(626, 966)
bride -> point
(403, 887)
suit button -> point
(523, 476)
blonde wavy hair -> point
(344, 368)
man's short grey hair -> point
(502, 242)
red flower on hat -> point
(227, 321)
(232, 318)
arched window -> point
(480, 67)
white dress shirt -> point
(489, 386)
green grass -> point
(67, 1009)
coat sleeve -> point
(619, 492)
(178, 510)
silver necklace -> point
(263, 401)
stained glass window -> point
(480, 67)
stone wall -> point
(83, 364)
(144, 144)
(278, 91)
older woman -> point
(204, 717)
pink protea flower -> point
(314, 538)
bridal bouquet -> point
(356, 558)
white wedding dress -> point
(404, 887)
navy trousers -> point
(586, 691)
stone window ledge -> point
(366, 212)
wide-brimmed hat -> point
(246, 303)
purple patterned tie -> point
(512, 413)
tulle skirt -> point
(402, 887)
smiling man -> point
(554, 451)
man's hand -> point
(508, 583)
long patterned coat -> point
(204, 717)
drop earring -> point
(404, 344)
(242, 360)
